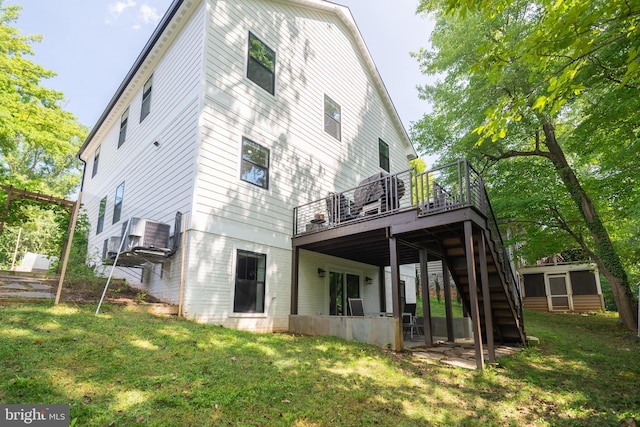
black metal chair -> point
(409, 321)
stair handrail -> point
(501, 250)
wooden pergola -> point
(74, 207)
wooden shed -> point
(562, 287)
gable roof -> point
(343, 12)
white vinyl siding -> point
(290, 125)
(159, 179)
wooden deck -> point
(446, 217)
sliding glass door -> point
(342, 286)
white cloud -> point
(148, 14)
(117, 8)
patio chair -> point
(409, 321)
(356, 306)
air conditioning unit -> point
(113, 246)
(147, 234)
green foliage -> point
(38, 139)
(38, 143)
(78, 271)
(526, 86)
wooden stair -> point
(506, 314)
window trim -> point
(338, 122)
(254, 60)
(124, 121)
(117, 203)
(102, 212)
(254, 164)
(384, 156)
(96, 159)
(146, 98)
(257, 255)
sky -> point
(92, 44)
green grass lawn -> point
(122, 368)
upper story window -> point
(96, 158)
(101, 212)
(123, 127)
(117, 205)
(383, 149)
(332, 118)
(146, 99)
(254, 167)
(261, 64)
(251, 271)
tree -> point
(38, 141)
(545, 96)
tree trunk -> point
(607, 258)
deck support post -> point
(473, 294)
(447, 303)
(486, 297)
(383, 290)
(426, 307)
(395, 294)
(295, 261)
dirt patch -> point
(118, 292)
(25, 287)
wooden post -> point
(395, 294)
(451, 337)
(295, 261)
(15, 251)
(473, 294)
(426, 306)
(67, 249)
(486, 298)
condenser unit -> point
(113, 246)
(146, 234)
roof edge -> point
(146, 50)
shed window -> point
(583, 283)
(534, 285)
(254, 167)
(332, 118)
(261, 64)
(250, 282)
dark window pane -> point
(534, 285)
(250, 282)
(254, 166)
(101, 212)
(96, 158)
(146, 99)
(117, 206)
(261, 64)
(123, 128)
(583, 283)
(332, 118)
(384, 154)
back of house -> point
(236, 112)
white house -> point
(236, 112)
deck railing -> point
(453, 186)
(445, 188)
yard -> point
(123, 368)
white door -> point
(559, 293)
